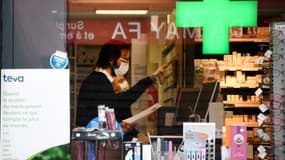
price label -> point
(262, 155)
(261, 149)
(263, 108)
(268, 53)
(258, 92)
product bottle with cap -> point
(102, 116)
(111, 124)
(102, 125)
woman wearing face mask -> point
(120, 84)
(100, 86)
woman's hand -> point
(127, 127)
(118, 79)
(160, 70)
(116, 83)
(143, 138)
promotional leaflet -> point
(143, 113)
(35, 109)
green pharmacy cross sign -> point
(216, 17)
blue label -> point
(58, 62)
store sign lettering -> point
(119, 30)
(135, 27)
(77, 30)
(216, 17)
(78, 25)
(8, 78)
(79, 33)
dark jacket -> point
(96, 89)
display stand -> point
(166, 147)
(90, 141)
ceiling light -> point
(123, 12)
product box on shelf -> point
(238, 146)
(228, 123)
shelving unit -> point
(241, 77)
(245, 76)
(82, 60)
(71, 48)
(169, 79)
(243, 34)
(258, 40)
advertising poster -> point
(35, 109)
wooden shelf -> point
(242, 86)
(241, 68)
(242, 104)
(252, 124)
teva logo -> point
(216, 17)
(8, 78)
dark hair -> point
(110, 51)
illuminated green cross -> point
(216, 17)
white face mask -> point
(122, 70)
